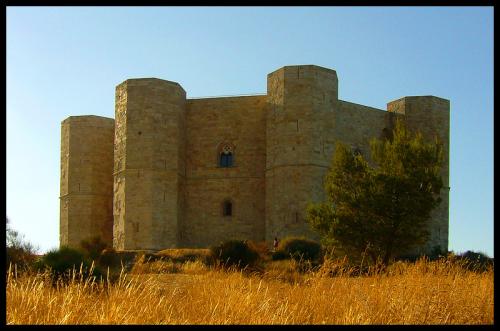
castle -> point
(171, 171)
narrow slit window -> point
(227, 208)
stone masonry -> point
(86, 185)
(152, 178)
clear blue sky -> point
(64, 61)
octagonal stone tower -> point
(86, 186)
(301, 101)
(149, 164)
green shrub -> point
(64, 260)
(93, 247)
(476, 261)
(234, 253)
(261, 247)
(476, 256)
(279, 255)
(300, 248)
(434, 255)
(109, 258)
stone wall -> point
(86, 190)
(211, 123)
(355, 125)
(149, 163)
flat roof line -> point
(227, 96)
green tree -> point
(380, 207)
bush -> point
(434, 255)
(19, 252)
(469, 260)
(473, 256)
(279, 255)
(93, 247)
(62, 261)
(109, 258)
(234, 253)
(476, 261)
(262, 248)
(300, 248)
(21, 257)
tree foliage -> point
(380, 207)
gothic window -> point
(227, 208)
(225, 154)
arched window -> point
(227, 208)
(225, 155)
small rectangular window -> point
(227, 209)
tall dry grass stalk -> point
(422, 293)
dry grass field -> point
(424, 292)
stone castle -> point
(171, 171)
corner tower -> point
(431, 116)
(86, 191)
(149, 164)
(301, 100)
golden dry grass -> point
(421, 293)
(182, 252)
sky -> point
(66, 61)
